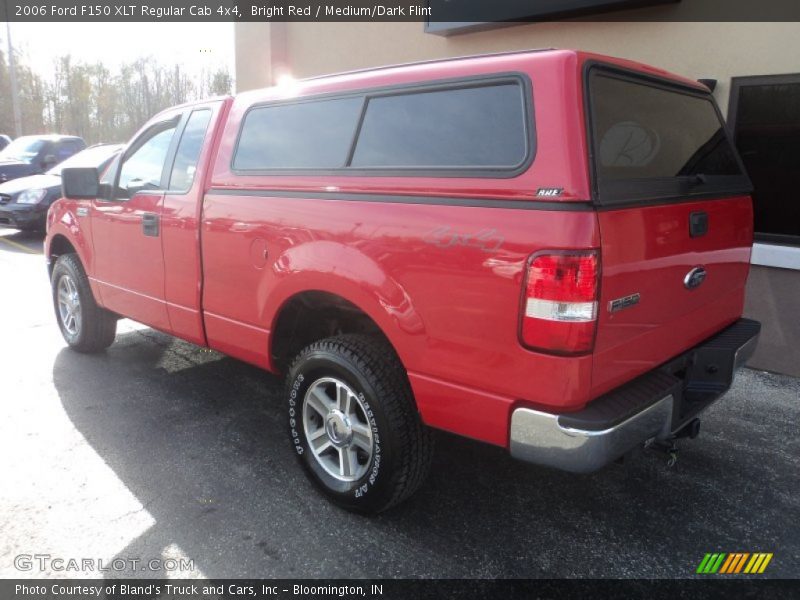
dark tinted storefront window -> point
(765, 117)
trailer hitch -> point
(669, 445)
(666, 446)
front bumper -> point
(652, 406)
(31, 216)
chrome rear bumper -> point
(537, 437)
(654, 405)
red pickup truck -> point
(542, 250)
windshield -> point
(97, 156)
(653, 141)
(23, 149)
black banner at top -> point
(439, 15)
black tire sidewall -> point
(62, 268)
(376, 485)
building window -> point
(764, 115)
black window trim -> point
(492, 172)
(685, 193)
(737, 83)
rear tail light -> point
(559, 307)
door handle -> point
(698, 224)
(150, 224)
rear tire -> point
(86, 327)
(354, 424)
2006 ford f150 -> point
(542, 250)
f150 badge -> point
(622, 303)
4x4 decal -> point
(487, 240)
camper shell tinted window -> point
(480, 127)
(655, 141)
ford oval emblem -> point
(694, 278)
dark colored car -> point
(24, 201)
(4, 140)
(33, 154)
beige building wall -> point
(716, 50)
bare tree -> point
(98, 103)
(31, 89)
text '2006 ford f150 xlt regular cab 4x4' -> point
(543, 250)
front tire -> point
(86, 327)
(354, 424)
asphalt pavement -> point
(159, 450)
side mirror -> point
(80, 183)
(49, 161)
(135, 186)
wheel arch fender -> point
(65, 228)
(347, 273)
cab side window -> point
(185, 164)
(143, 169)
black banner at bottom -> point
(384, 589)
